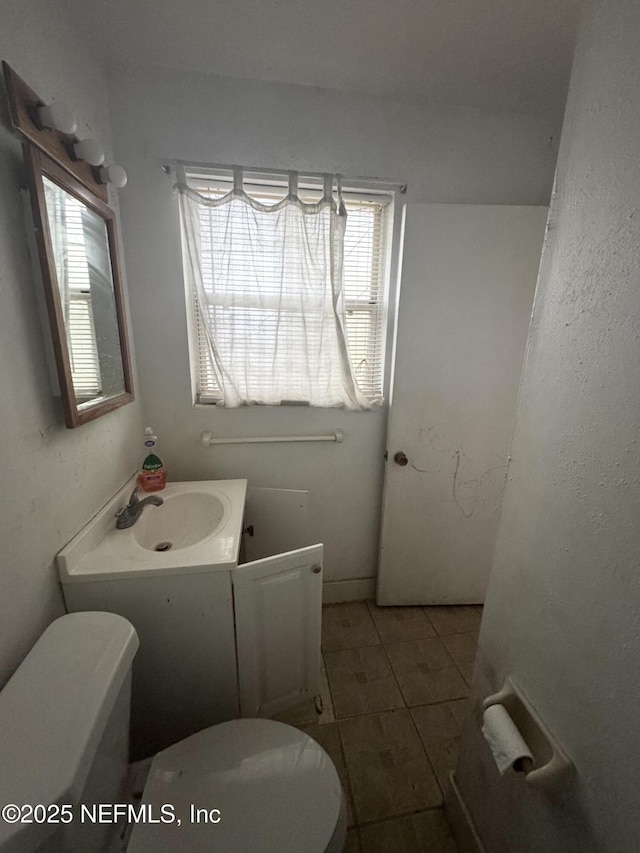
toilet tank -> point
(64, 730)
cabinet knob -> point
(400, 458)
(316, 569)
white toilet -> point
(245, 786)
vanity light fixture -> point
(88, 150)
(57, 116)
(113, 174)
(52, 129)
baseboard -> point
(460, 819)
(333, 592)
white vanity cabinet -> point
(216, 642)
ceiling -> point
(497, 54)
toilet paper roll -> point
(506, 742)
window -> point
(68, 233)
(365, 277)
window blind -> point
(74, 282)
(81, 335)
(364, 283)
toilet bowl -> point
(243, 786)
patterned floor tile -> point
(361, 682)
(347, 626)
(463, 648)
(440, 726)
(395, 624)
(425, 672)
(387, 766)
(418, 833)
(454, 620)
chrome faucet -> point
(129, 514)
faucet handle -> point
(133, 500)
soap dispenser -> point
(153, 476)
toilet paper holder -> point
(552, 765)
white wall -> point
(53, 479)
(563, 610)
(445, 155)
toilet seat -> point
(276, 789)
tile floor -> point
(395, 684)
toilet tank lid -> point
(53, 712)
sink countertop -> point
(100, 551)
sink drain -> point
(163, 546)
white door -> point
(278, 612)
(468, 278)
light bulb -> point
(57, 116)
(113, 174)
(90, 151)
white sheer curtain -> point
(268, 283)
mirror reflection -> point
(80, 246)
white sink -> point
(197, 528)
(183, 520)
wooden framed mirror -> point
(76, 241)
(75, 234)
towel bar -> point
(208, 439)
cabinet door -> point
(278, 612)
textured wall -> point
(53, 479)
(563, 610)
